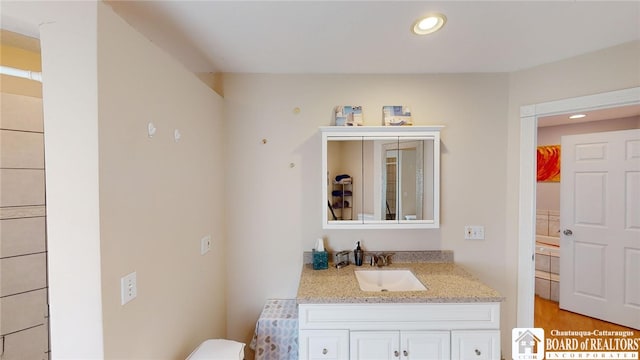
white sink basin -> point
(388, 280)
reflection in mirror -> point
(391, 162)
(377, 179)
(402, 180)
(372, 181)
(344, 179)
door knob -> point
(396, 353)
(567, 232)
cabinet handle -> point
(478, 352)
(396, 353)
(325, 351)
(405, 353)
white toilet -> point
(218, 349)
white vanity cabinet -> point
(433, 331)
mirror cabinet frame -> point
(362, 133)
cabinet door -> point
(475, 344)
(398, 172)
(323, 344)
(374, 345)
(343, 157)
(425, 345)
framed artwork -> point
(396, 115)
(348, 115)
(548, 163)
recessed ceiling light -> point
(428, 24)
(577, 116)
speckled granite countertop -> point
(445, 282)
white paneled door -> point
(600, 220)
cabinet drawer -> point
(476, 344)
(428, 316)
(324, 344)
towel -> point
(341, 204)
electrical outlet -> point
(128, 288)
(205, 244)
(474, 232)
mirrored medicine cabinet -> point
(381, 177)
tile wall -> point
(24, 330)
(547, 282)
(548, 223)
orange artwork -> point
(548, 163)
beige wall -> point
(283, 204)
(158, 198)
(69, 92)
(121, 202)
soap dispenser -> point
(358, 254)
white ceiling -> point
(374, 37)
(363, 36)
(620, 112)
(366, 37)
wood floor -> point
(549, 316)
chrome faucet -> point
(380, 260)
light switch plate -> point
(128, 288)
(205, 244)
(474, 232)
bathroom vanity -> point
(456, 317)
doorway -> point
(597, 231)
(530, 116)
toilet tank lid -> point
(218, 349)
